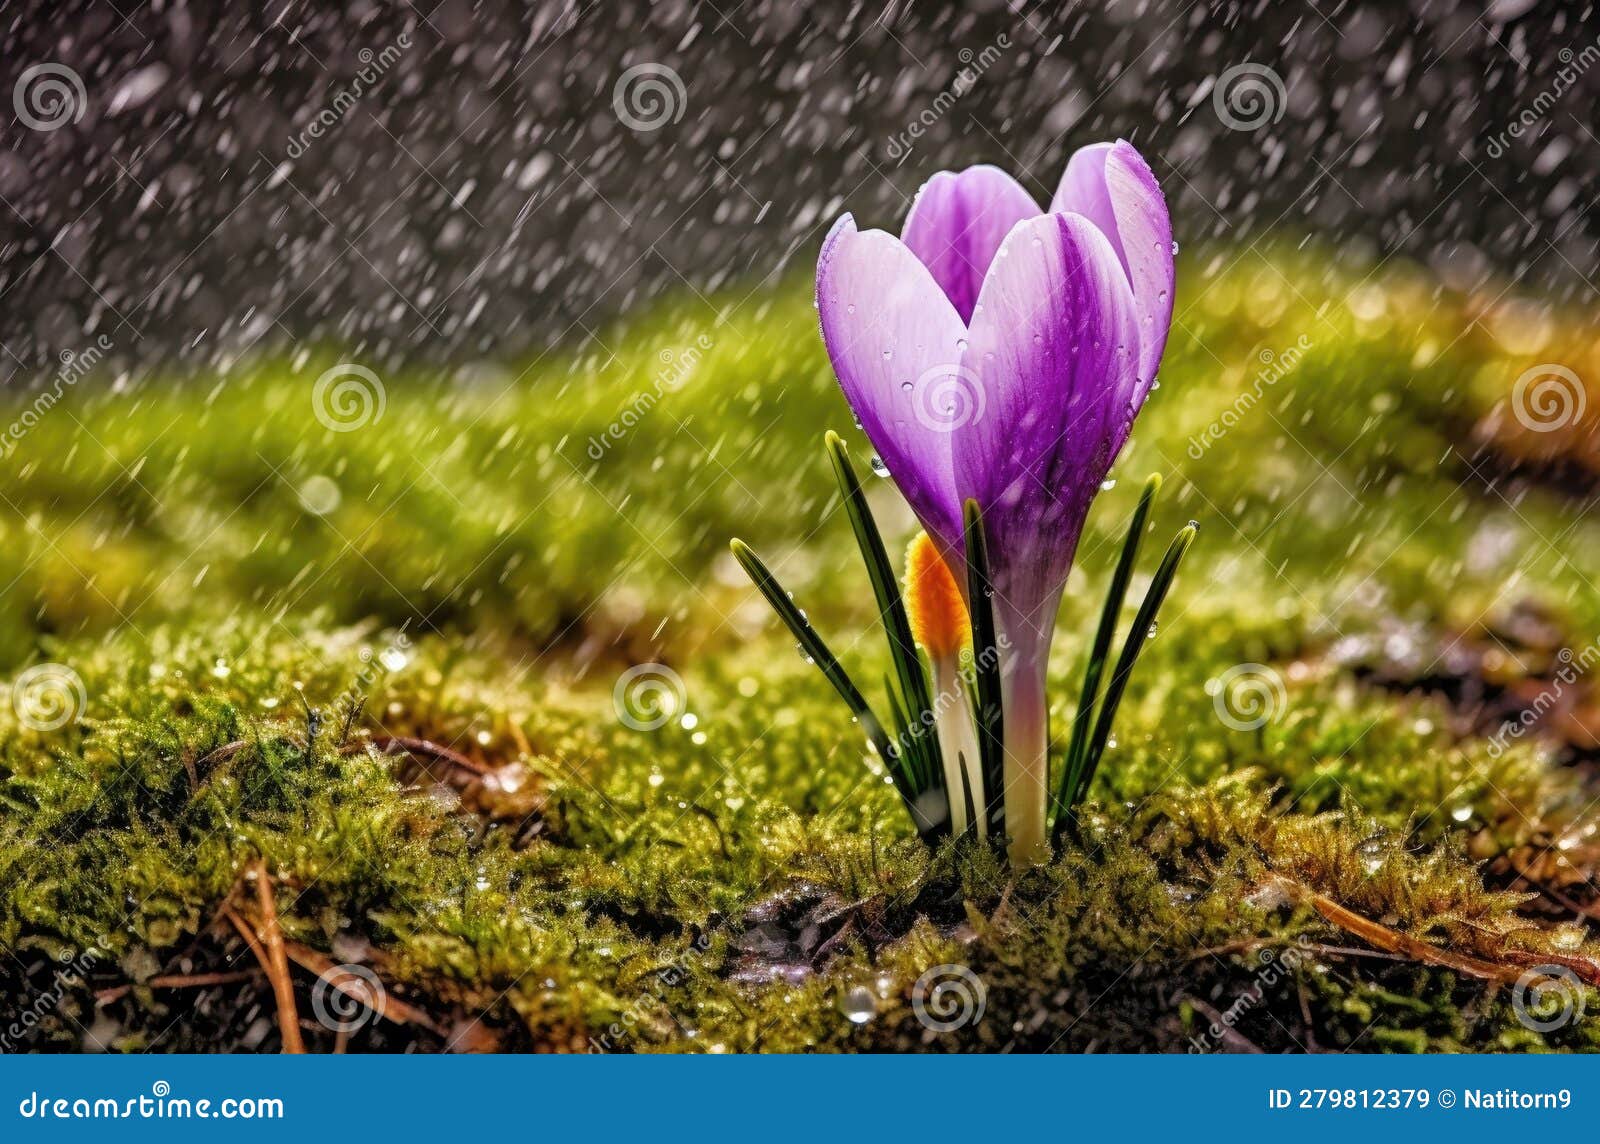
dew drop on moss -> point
(858, 1005)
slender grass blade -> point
(1137, 638)
(986, 666)
(819, 653)
(1072, 766)
(922, 748)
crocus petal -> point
(894, 338)
(1111, 185)
(1054, 345)
(957, 223)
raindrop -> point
(858, 1005)
(878, 466)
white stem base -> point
(1027, 767)
(958, 745)
(1027, 730)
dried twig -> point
(423, 748)
(176, 981)
(199, 770)
(1393, 941)
(269, 950)
(282, 986)
(391, 1007)
(1226, 1033)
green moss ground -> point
(483, 581)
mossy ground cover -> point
(377, 668)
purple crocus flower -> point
(998, 353)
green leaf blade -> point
(986, 666)
(1072, 765)
(913, 680)
(818, 652)
(1138, 636)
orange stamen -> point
(934, 605)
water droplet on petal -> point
(878, 466)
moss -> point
(742, 876)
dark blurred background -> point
(450, 184)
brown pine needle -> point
(1230, 1037)
(269, 951)
(1393, 941)
(393, 1008)
(388, 744)
(176, 981)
